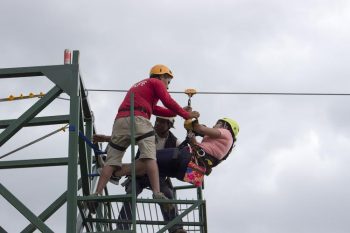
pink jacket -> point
(217, 147)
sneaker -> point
(113, 179)
(167, 206)
(126, 182)
(92, 205)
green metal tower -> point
(81, 160)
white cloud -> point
(289, 169)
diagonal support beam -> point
(50, 210)
(179, 217)
(15, 126)
(33, 163)
(39, 121)
(2, 230)
(24, 210)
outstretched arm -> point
(100, 138)
(126, 169)
(211, 132)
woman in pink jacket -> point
(191, 162)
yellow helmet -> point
(234, 125)
(160, 69)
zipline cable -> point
(235, 93)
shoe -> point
(126, 182)
(113, 179)
(179, 231)
(92, 205)
(160, 196)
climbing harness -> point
(195, 171)
(200, 164)
(98, 152)
(117, 147)
(190, 92)
(208, 160)
(141, 109)
(137, 139)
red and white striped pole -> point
(67, 57)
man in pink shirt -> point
(147, 93)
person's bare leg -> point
(140, 169)
(106, 174)
(149, 167)
(153, 173)
(153, 176)
(143, 166)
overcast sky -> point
(289, 172)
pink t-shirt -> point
(217, 147)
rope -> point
(88, 141)
(35, 141)
(71, 128)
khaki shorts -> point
(121, 137)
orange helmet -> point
(160, 69)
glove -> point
(190, 124)
(187, 108)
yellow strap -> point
(21, 96)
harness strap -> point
(211, 160)
(146, 135)
(204, 159)
(117, 147)
(141, 109)
(139, 138)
